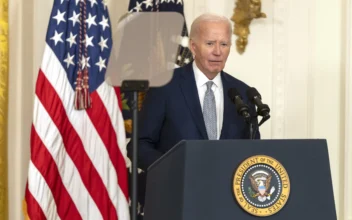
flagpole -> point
(134, 156)
(134, 86)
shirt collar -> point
(201, 79)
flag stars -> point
(69, 60)
(101, 63)
(85, 62)
(92, 2)
(105, 3)
(104, 23)
(89, 41)
(57, 37)
(138, 7)
(184, 41)
(71, 39)
(179, 2)
(78, 1)
(91, 20)
(148, 3)
(59, 17)
(103, 43)
(75, 18)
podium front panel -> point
(203, 171)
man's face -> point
(211, 47)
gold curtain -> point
(3, 106)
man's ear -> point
(192, 46)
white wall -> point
(20, 100)
(348, 114)
(299, 58)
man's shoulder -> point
(182, 69)
(173, 81)
(180, 73)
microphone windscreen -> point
(252, 92)
(232, 93)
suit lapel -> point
(190, 93)
(227, 106)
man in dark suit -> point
(194, 105)
(175, 111)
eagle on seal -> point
(260, 182)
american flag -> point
(77, 168)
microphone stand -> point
(264, 119)
(251, 131)
(252, 128)
(134, 86)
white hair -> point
(208, 17)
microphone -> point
(254, 96)
(242, 109)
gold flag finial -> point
(244, 12)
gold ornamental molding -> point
(3, 106)
(244, 12)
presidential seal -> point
(261, 185)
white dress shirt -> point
(217, 88)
